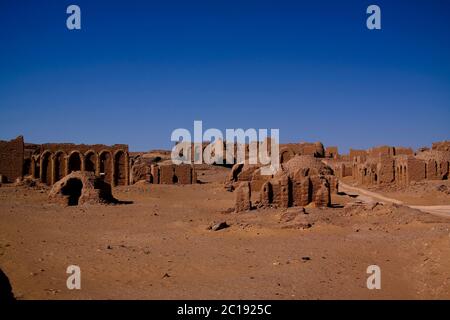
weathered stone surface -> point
(81, 187)
(243, 197)
(216, 226)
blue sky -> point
(139, 69)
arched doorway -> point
(46, 168)
(89, 162)
(26, 167)
(60, 166)
(72, 190)
(74, 162)
(119, 169)
(105, 166)
(35, 167)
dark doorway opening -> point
(174, 179)
(89, 162)
(73, 190)
(74, 162)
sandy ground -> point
(159, 247)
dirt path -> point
(370, 196)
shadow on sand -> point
(6, 293)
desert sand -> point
(160, 245)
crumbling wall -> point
(332, 152)
(58, 160)
(173, 174)
(303, 180)
(11, 159)
(441, 146)
(243, 197)
(353, 153)
(80, 187)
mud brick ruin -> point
(309, 173)
(11, 159)
(302, 179)
(172, 174)
(81, 187)
(52, 161)
(400, 166)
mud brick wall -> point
(441, 146)
(183, 173)
(166, 174)
(444, 168)
(83, 148)
(355, 153)
(154, 174)
(416, 170)
(381, 151)
(11, 159)
(385, 170)
(402, 150)
(301, 192)
(331, 152)
(243, 197)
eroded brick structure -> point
(52, 161)
(11, 159)
(56, 160)
(300, 181)
(384, 165)
(172, 174)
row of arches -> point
(50, 166)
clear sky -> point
(139, 69)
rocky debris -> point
(362, 205)
(443, 188)
(372, 205)
(29, 182)
(80, 187)
(295, 218)
(306, 258)
(227, 211)
(216, 226)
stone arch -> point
(443, 170)
(267, 193)
(46, 167)
(90, 161)
(74, 162)
(60, 165)
(26, 167)
(445, 173)
(35, 167)
(120, 163)
(286, 154)
(236, 170)
(105, 165)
